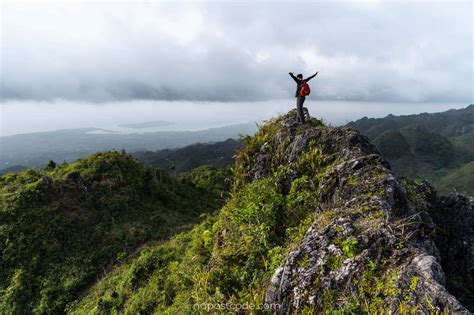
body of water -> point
(27, 116)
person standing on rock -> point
(302, 90)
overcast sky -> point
(236, 51)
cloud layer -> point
(236, 51)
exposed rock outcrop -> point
(378, 244)
(454, 218)
(316, 223)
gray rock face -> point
(454, 217)
(387, 242)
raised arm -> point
(309, 78)
(294, 78)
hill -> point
(316, 222)
(427, 146)
(452, 123)
(460, 180)
(64, 227)
(185, 159)
(13, 169)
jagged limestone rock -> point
(316, 223)
(454, 217)
(378, 249)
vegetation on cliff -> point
(63, 227)
(229, 257)
(315, 221)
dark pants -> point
(299, 107)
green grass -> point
(464, 142)
(228, 258)
(231, 256)
(102, 237)
(63, 227)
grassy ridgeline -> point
(63, 228)
(292, 184)
(282, 177)
(229, 257)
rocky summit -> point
(385, 243)
(315, 222)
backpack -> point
(304, 89)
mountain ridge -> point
(316, 222)
(448, 123)
(63, 227)
(431, 146)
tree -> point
(51, 165)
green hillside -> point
(427, 146)
(291, 182)
(64, 227)
(460, 180)
(392, 144)
(312, 221)
(465, 142)
(229, 257)
(451, 123)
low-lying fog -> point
(30, 116)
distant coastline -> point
(147, 124)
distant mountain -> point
(12, 169)
(428, 146)
(415, 149)
(219, 154)
(452, 123)
(36, 149)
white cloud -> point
(236, 51)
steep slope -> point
(62, 228)
(393, 144)
(465, 142)
(316, 222)
(454, 217)
(429, 148)
(460, 180)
